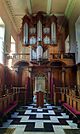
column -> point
(7, 45)
(49, 85)
(35, 84)
(7, 40)
(63, 76)
(63, 94)
(31, 88)
(52, 88)
(49, 81)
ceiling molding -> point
(10, 14)
(49, 3)
(29, 6)
(59, 14)
(69, 8)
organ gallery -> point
(39, 66)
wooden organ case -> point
(45, 37)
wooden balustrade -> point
(70, 96)
(20, 56)
(63, 56)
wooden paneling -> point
(11, 77)
(70, 76)
(7, 100)
(25, 74)
(57, 76)
(1, 76)
(1, 79)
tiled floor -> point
(30, 120)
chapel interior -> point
(39, 55)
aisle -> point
(27, 119)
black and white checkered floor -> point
(28, 119)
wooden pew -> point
(73, 113)
(7, 104)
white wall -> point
(77, 27)
(72, 30)
(10, 30)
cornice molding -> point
(10, 14)
(69, 8)
(49, 3)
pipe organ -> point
(39, 32)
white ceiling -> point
(18, 8)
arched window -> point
(67, 46)
(2, 34)
(13, 45)
(12, 51)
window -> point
(2, 34)
(12, 51)
(67, 46)
(13, 45)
